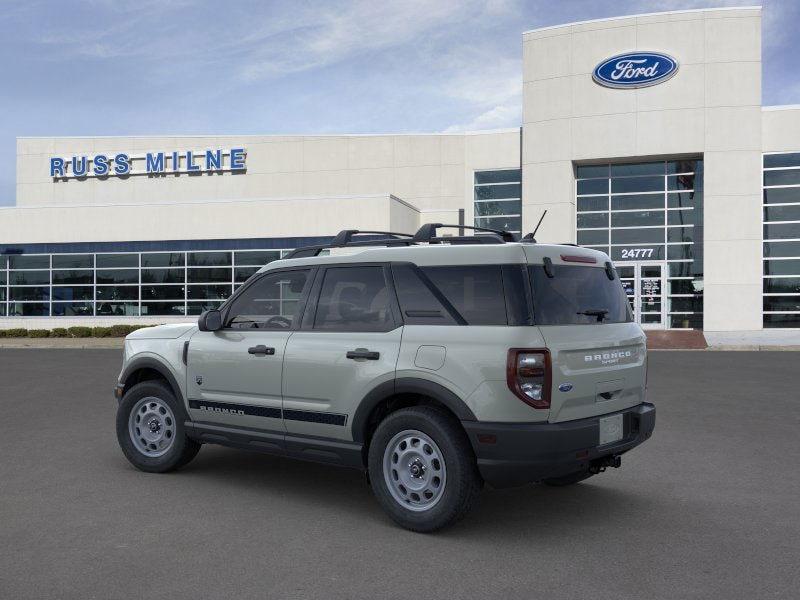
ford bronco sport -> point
(432, 363)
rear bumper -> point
(527, 452)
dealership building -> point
(643, 136)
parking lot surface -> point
(708, 508)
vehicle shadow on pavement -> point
(524, 510)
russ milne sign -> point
(150, 163)
(635, 70)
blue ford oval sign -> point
(635, 70)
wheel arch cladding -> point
(399, 393)
(149, 369)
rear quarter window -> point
(574, 291)
(476, 292)
(462, 295)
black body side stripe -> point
(236, 409)
(269, 411)
(315, 417)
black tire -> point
(182, 449)
(567, 479)
(463, 482)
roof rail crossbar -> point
(427, 232)
(468, 239)
(344, 239)
(345, 236)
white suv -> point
(433, 363)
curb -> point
(754, 348)
(62, 343)
(732, 348)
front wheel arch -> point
(146, 369)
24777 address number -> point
(637, 253)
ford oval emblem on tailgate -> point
(565, 387)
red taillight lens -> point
(528, 376)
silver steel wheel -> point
(414, 470)
(151, 426)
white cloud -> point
(497, 117)
(332, 35)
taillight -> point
(528, 376)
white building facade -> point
(665, 158)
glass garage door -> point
(781, 282)
(498, 199)
(649, 213)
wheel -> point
(567, 479)
(150, 429)
(422, 469)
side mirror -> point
(210, 320)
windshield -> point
(577, 295)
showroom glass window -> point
(781, 281)
(649, 211)
(498, 199)
(124, 284)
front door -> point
(234, 374)
(348, 344)
(644, 284)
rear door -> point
(234, 374)
(347, 345)
(597, 352)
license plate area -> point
(611, 429)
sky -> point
(171, 67)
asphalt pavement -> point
(708, 508)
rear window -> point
(577, 295)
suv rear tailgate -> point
(599, 367)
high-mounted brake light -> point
(528, 374)
(579, 259)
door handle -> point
(363, 353)
(261, 349)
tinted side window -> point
(272, 302)
(354, 299)
(476, 292)
(418, 303)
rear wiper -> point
(600, 313)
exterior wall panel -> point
(711, 109)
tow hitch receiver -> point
(601, 464)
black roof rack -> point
(344, 239)
(427, 233)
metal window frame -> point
(139, 303)
(665, 208)
(764, 239)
